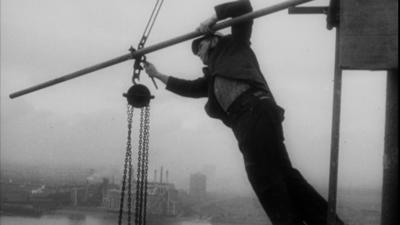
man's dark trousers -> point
(284, 194)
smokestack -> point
(166, 177)
(105, 185)
(155, 176)
(161, 174)
(74, 196)
(86, 195)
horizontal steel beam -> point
(161, 45)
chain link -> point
(142, 168)
(127, 163)
(130, 186)
(146, 158)
(138, 203)
(141, 172)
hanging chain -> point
(146, 159)
(143, 146)
(127, 163)
(130, 187)
(138, 203)
(142, 168)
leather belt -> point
(239, 101)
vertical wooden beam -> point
(391, 152)
(335, 134)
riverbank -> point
(73, 220)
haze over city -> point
(82, 122)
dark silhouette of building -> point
(198, 185)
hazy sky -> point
(82, 122)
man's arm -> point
(241, 31)
(187, 88)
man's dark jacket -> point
(231, 58)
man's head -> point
(202, 46)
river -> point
(75, 220)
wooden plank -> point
(308, 10)
(390, 187)
(369, 34)
(335, 137)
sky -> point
(82, 122)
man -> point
(239, 96)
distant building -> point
(198, 185)
(161, 199)
(74, 196)
(14, 193)
(209, 170)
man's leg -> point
(311, 204)
(308, 202)
(273, 195)
(265, 165)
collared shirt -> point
(227, 90)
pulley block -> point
(138, 96)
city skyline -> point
(83, 122)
